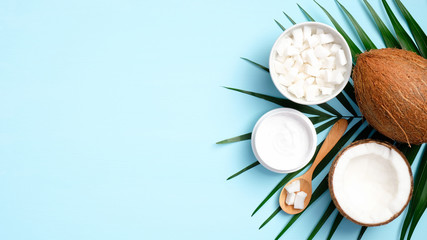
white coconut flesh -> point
(371, 183)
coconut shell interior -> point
(331, 178)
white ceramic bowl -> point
(339, 39)
(284, 115)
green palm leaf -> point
(256, 64)
(254, 164)
(283, 102)
(349, 90)
(343, 100)
(419, 35)
(306, 13)
(322, 220)
(403, 37)
(389, 40)
(362, 231)
(290, 19)
(278, 209)
(242, 137)
(334, 227)
(420, 180)
(329, 109)
(353, 48)
(280, 25)
(367, 42)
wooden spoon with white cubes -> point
(296, 194)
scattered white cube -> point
(289, 62)
(335, 48)
(278, 67)
(313, 41)
(286, 80)
(312, 70)
(297, 89)
(298, 37)
(341, 57)
(283, 46)
(326, 90)
(307, 32)
(293, 187)
(292, 51)
(290, 198)
(310, 80)
(326, 38)
(312, 92)
(321, 52)
(319, 31)
(329, 62)
(299, 200)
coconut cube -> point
(313, 41)
(292, 51)
(286, 80)
(311, 92)
(326, 38)
(289, 62)
(278, 66)
(299, 200)
(298, 37)
(319, 31)
(321, 52)
(290, 198)
(326, 90)
(293, 187)
(307, 32)
(283, 45)
(341, 57)
(335, 47)
(312, 70)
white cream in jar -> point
(284, 140)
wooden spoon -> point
(334, 135)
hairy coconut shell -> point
(391, 91)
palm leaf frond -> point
(419, 35)
(280, 25)
(283, 102)
(322, 220)
(289, 18)
(353, 48)
(242, 137)
(362, 231)
(367, 42)
(334, 227)
(402, 36)
(389, 40)
(256, 64)
(309, 18)
(420, 180)
(254, 164)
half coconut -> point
(370, 182)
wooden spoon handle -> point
(334, 135)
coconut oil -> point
(283, 141)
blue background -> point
(110, 111)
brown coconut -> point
(331, 180)
(391, 91)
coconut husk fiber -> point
(391, 92)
